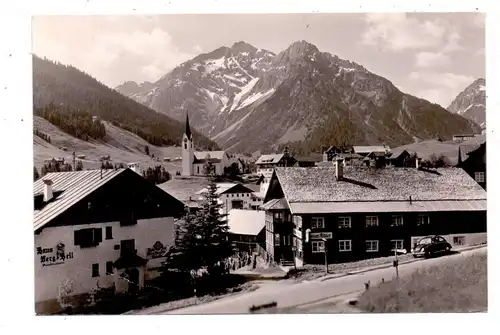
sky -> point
(429, 55)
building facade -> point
(368, 212)
(474, 162)
(107, 229)
(236, 196)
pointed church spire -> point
(188, 129)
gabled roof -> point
(371, 148)
(246, 222)
(275, 204)
(223, 188)
(76, 186)
(202, 155)
(347, 156)
(470, 145)
(368, 184)
(269, 159)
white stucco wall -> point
(227, 199)
(187, 156)
(78, 267)
(218, 169)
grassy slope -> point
(455, 286)
(121, 145)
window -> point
(278, 215)
(109, 268)
(372, 221)
(318, 246)
(89, 237)
(344, 222)
(479, 177)
(277, 239)
(397, 220)
(458, 240)
(371, 246)
(109, 233)
(317, 223)
(423, 220)
(345, 245)
(397, 244)
(95, 270)
(237, 204)
(198, 169)
(127, 245)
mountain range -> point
(471, 102)
(248, 99)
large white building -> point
(193, 162)
(98, 229)
(237, 196)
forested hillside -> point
(77, 93)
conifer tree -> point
(202, 239)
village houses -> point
(98, 229)
(353, 213)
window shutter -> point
(98, 235)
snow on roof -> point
(213, 154)
(269, 159)
(246, 222)
(371, 148)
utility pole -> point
(74, 161)
(326, 256)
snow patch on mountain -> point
(256, 96)
(214, 64)
(242, 93)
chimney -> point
(47, 190)
(339, 169)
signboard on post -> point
(325, 235)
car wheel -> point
(448, 250)
(427, 254)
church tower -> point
(187, 150)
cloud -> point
(155, 48)
(112, 49)
(442, 87)
(398, 32)
(427, 59)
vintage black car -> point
(431, 246)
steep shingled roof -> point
(76, 185)
(368, 184)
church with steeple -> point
(194, 162)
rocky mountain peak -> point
(242, 46)
(471, 102)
